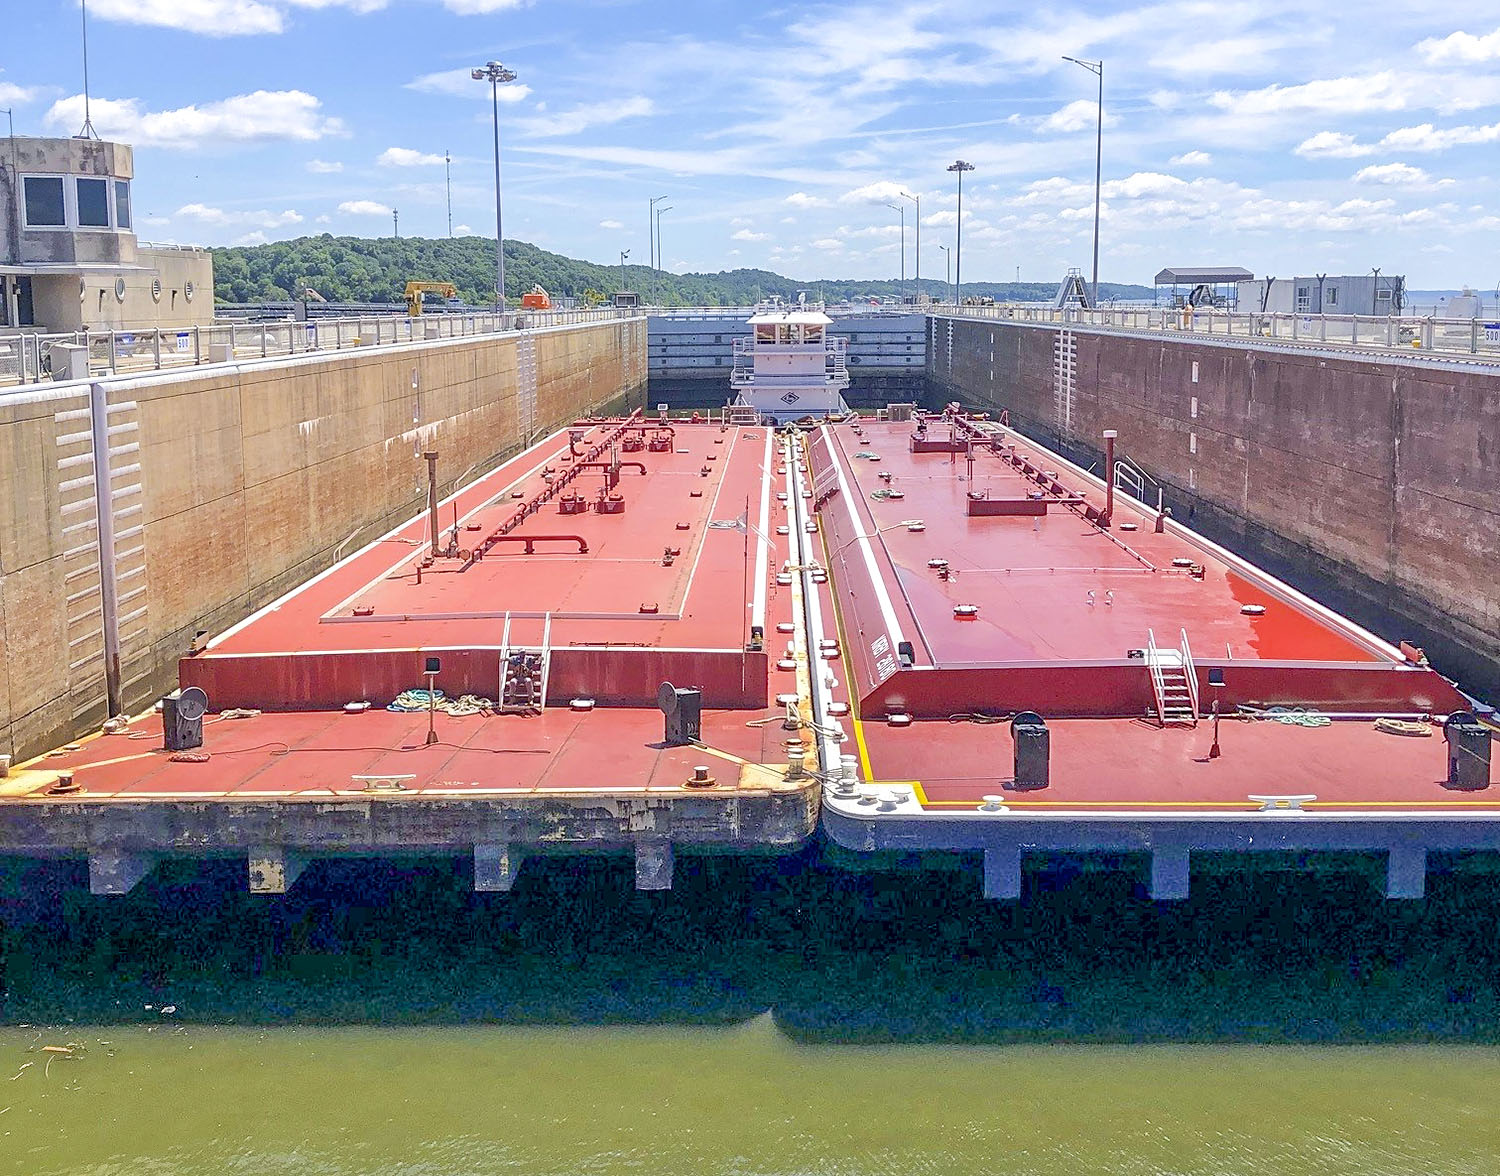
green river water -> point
(742, 1100)
(761, 1018)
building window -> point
(1333, 295)
(93, 203)
(44, 202)
(1383, 294)
(1304, 299)
(122, 204)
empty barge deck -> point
(563, 590)
(975, 577)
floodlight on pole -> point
(624, 253)
(917, 200)
(495, 73)
(1097, 68)
(947, 265)
(960, 166)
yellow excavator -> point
(415, 290)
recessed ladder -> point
(1174, 682)
(523, 672)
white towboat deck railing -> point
(1415, 334)
(27, 357)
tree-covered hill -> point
(358, 269)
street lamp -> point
(659, 211)
(917, 200)
(1095, 67)
(495, 73)
(947, 264)
(959, 166)
(651, 226)
(901, 208)
(624, 253)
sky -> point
(1282, 136)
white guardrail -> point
(27, 357)
(1416, 334)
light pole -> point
(651, 227)
(917, 200)
(901, 208)
(1096, 67)
(624, 253)
(495, 73)
(959, 166)
(659, 211)
(947, 264)
(448, 179)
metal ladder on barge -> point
(1174, 682)
(523, 672)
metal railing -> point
(27, 357)
(1406, 333)
(744, 348)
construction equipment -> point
(536, 299)
(415, 290)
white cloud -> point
(14, 95)
(880, 192)
(1331, 145)
(1461, 48)
(747, 235)
(459, 83)
(259, 117)
(1075, 116)
(324, 219)
(462, 231)
(803, 200)
(1192, 159)
(480, 7)
(209, 18)
(255, 238)
(365, 208)
(1423, 137)
(323, 167)
(206, 215)
(407, 157)
(581, 118)
(829, 243)
(1395, 173)
(610, 224)
(218, 18)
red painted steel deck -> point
(1039, 641)
(302, 658)
(311, 754)
(624, 614)
(1061, 600)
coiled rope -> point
(420, 699)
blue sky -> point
(1283, 136)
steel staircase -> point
(1174, 682)
(523, 672)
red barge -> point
(642, 635)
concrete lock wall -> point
(234, 482)
(1369, 483)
